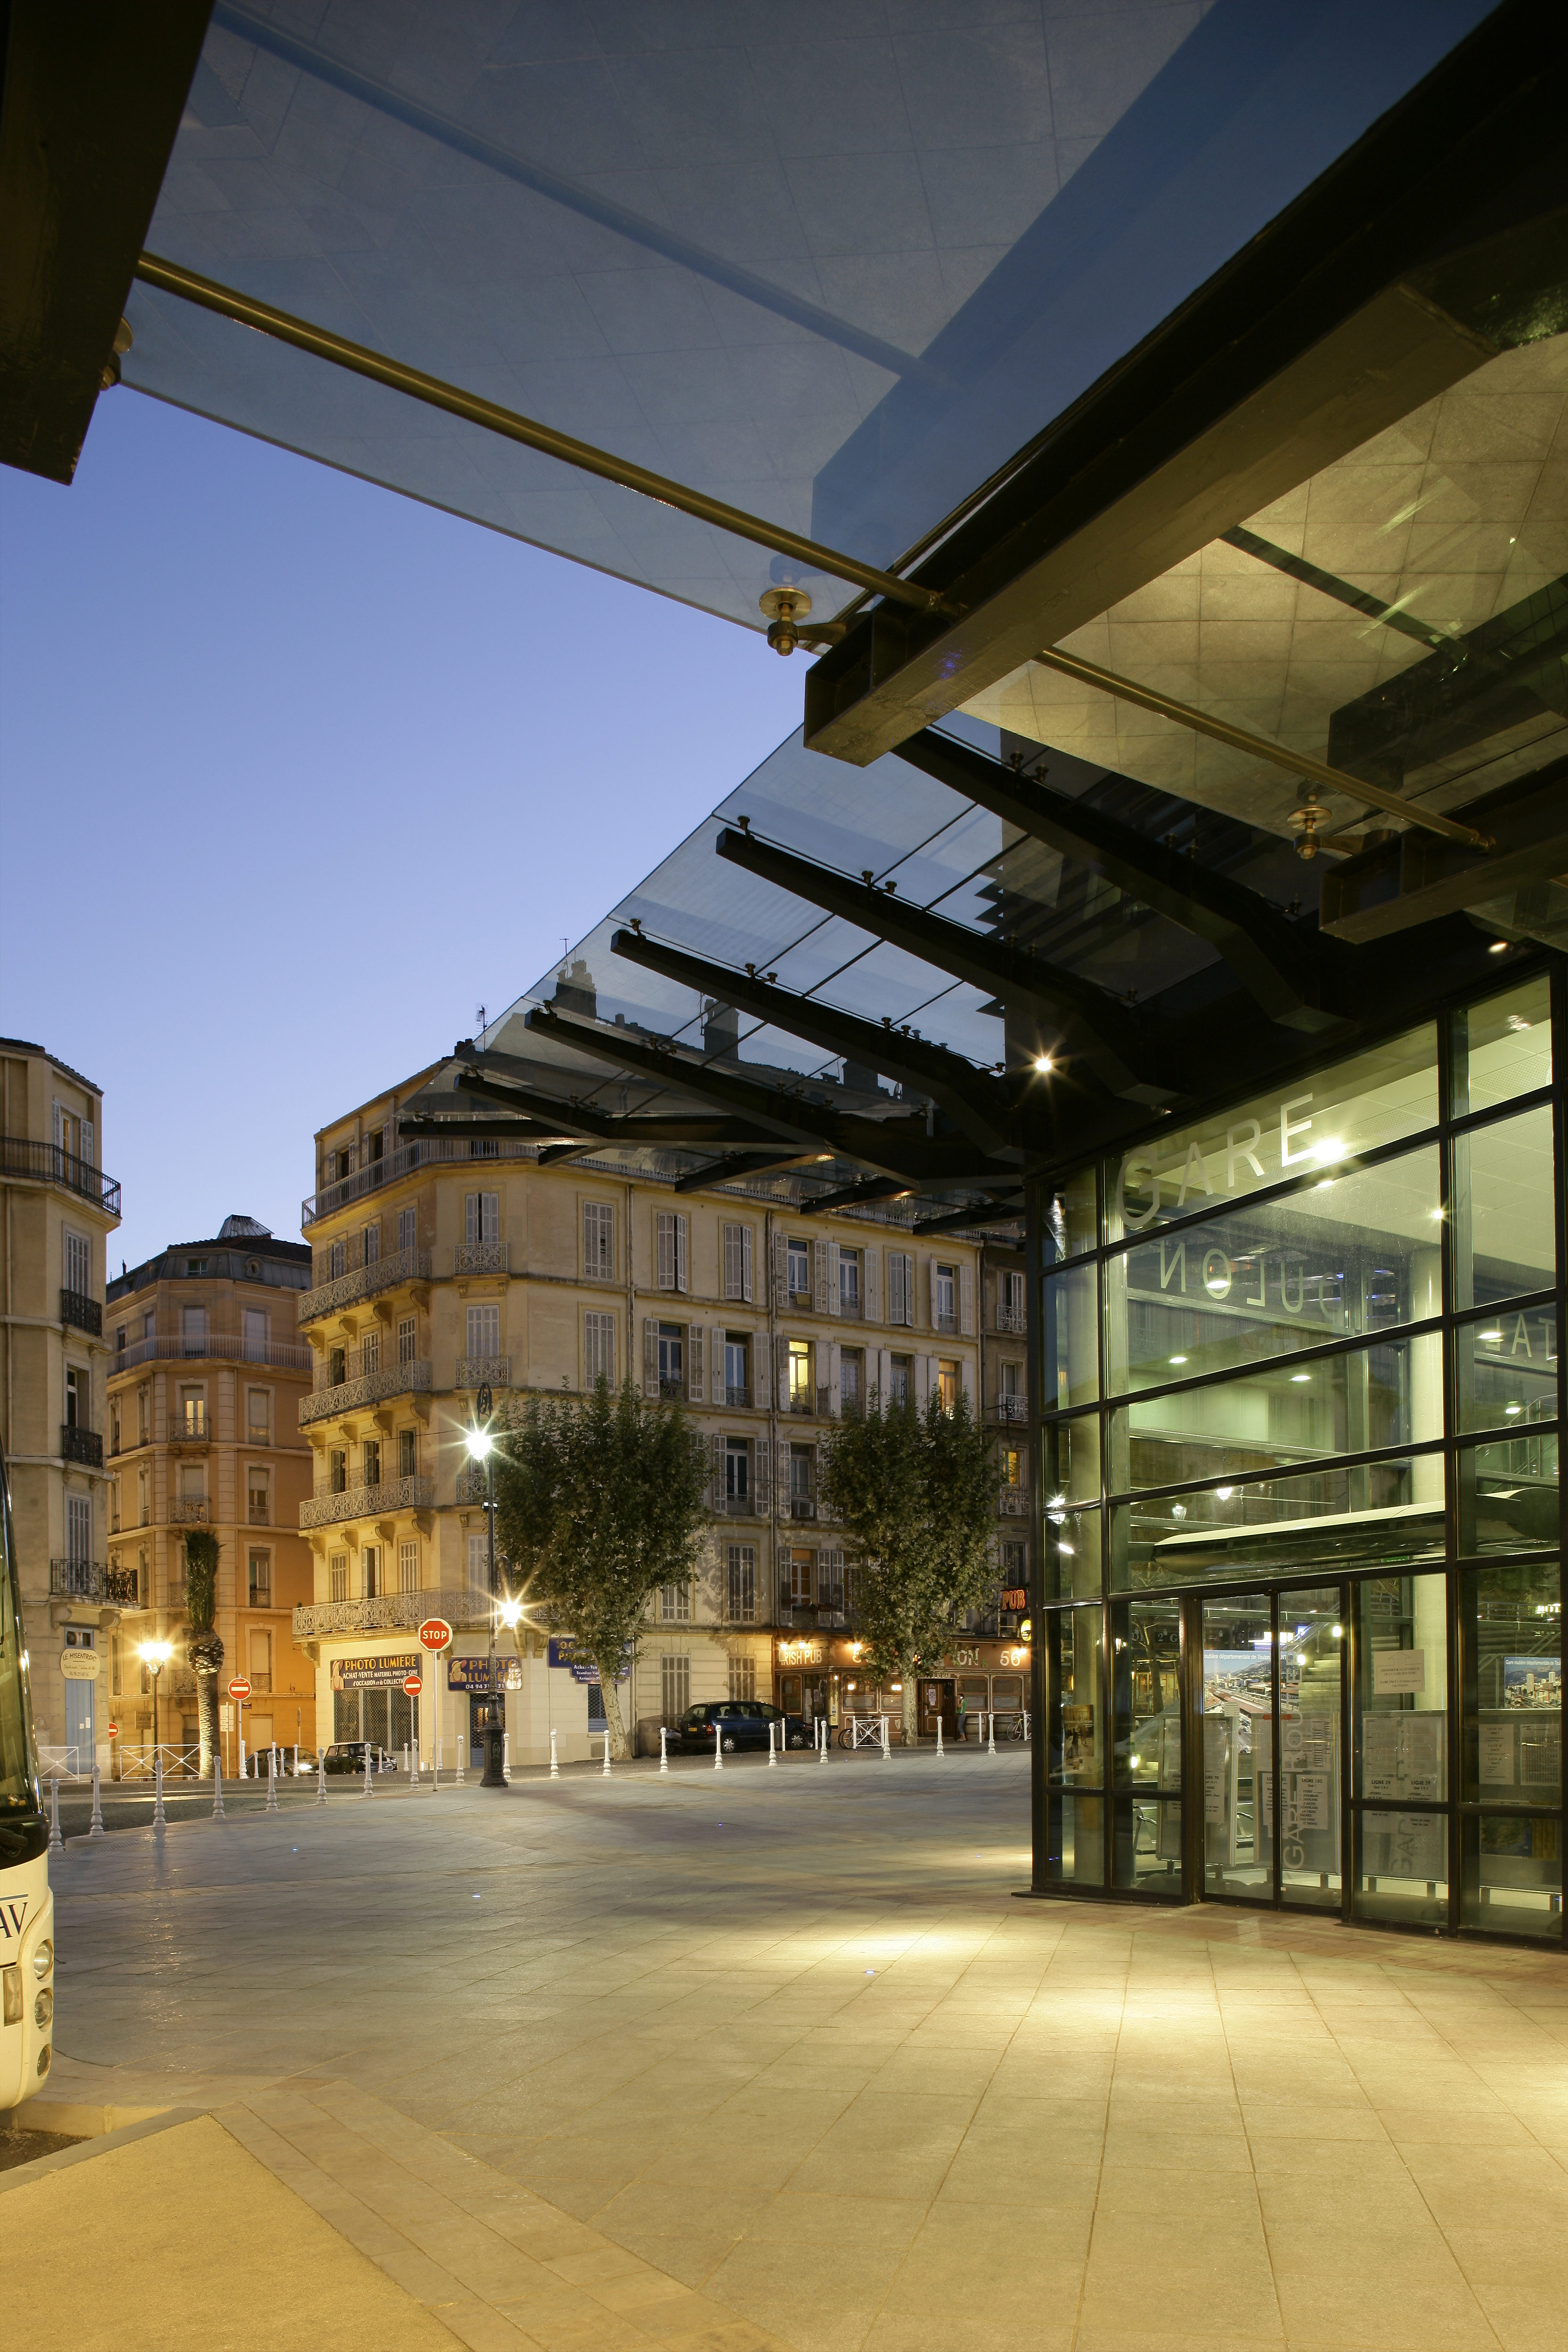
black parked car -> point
(739, 1723)
(348, 1755)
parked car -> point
(739, 1722)
(348, 1755)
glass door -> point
(1272, 1706)
(1311, 1654)
(1236, 1702)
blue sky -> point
(295, 773)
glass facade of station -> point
(1302, 1609)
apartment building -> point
(206, 1375)
(440, 1266)
(58, 1210)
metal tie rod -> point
(228, 303)
(1241, 738)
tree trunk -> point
(612, 1705)
(206, 1665)
(912, 1697)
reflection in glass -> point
(1072, 1555)
(1071, 1460)
(1387, 1395)
(1401, 1689)
(1074, 1839)
(1503, 1211)
(1329, 1519)
(1512, 1636)
(1507, 1370)
(1071, 1220)
(1076, 1731)
(1148, 1843)
(1402, 1870)
(1348, 1257)
(1237, 1704)
(1512, 1882)
(1503, 1047)
(1069, 1340)
(1311, 1651)
(1145, 1695)
(1508, 1492)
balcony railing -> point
(480, 1257)
(47, 1164)
(1012, 1319)
(430, 1151)
(282, 1356)
(82, 1313)
(122, 1586)
(460, 1606)
(81, 1446)
(371, 1388)
(468, 1486)
(191, 1427)
(363, 1282)
(480, 1372)
(1009, 1406)
(944, 1320)
(740, 1506)
(1014, 1502)
(327, 1510)
(188, 1511)
(742, 1396)
(77, 1580)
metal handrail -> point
(362, 1282)
(280, 1355)
(459, 1605)
(47, 1162)
(370, 1388)
(327, 1510)
(82, 1312)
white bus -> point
(26, 1907)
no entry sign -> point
(435, 1633)
(240, 1687)
(413, 1686)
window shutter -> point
(781, 1372)
(664, 1253)
(731, 1253)
(649, 1357)
(682, 1227)
(930, 1294)
(746, 1263)
(870, 1308)
(490, 1216)
(470, 1218)
(761, 1485)
(833, 1291)
(694, 1390)
(966, 1301)
(89, 1143)
(966, 1375)
(819, 1272)
(781, 1273)
(922, 1381)
(59, 1127)
(716, 1475)
(835, 1380)
(716, 1369)
(781, 1478)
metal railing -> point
(742, 1396)
(1014, 1502)
(280, 1356)
(371, 1388)
(82, 1313)
(189, 1427)
(1009, 1406)
(944, 1320)
(81, 1446)
(480, 1257)
(429, 1151)
(1012, 1319)
(460, 1606)
(326, 1509)
(468, 1486)
(362, 1282)
(76, 1580)
(122, 1587)
(188, 1511)
(475, 1372)
(49, 1165)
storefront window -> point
(1504, 1211)
(1331, 1519)
(1076, 1730)
(1236, 1702)
(1072, 1555)
(1506, 1367)
(1071, 1340)
(1400, 1748)
(1071, 1460)
(1503, 1048)
(1146, 1738)
(1071, 1227)
(1311, 1649)
(1347, 1256)
(1506, 1491)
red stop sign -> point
(435, 1633)
(240, 1687)
(413, 1686)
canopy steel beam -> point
(972, 1099)
(953, 1221)
(849, 1196)
(744, 1163)
(1116, 1046)
(1282, 968)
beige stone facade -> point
(56, 1212)
(443, 1266)
(206, 1369)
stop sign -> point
(435, 1633)
(240, 1687)
(413, 1686)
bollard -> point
(272, 1781)
(435, 1774)
(295, 1759)
(457, 1780)
(320, 1776)
(506, 1757)
(886, 1751)
(554, 1767)
(663, 1747)
(159, 1818)
(96, 1826)
(773, 1759)
(990, 1733)
(56, 1843)
(939, 1746)
(822, 1744)
(218, 1813)
(717, 1747)
(242, 1756)
(406, 1756)
(607, 1755)
(369, 1792)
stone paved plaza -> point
(767, 2057)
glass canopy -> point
(835, 267)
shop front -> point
(824, 1678)
(1301, 1388)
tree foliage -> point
(600, 1499)
(204, 1654)
(917, 1497)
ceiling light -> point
(1178, 1359)
(1044, 1064)
(1178, 1510)
(1223, 1494)
(1495, 1337)
(1498, 947)
(1512, 1409)
(1297, 1378)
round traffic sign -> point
(114, 1731)
(413, 1686)
(435, 1633)
(240, 1687)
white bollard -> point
(663, 1747)
(717, 1747)
(821, 1743)
(939, 1746)
(990, 1733)
(272, 1781)
(459, 1779)
(607, 1755)
(320, 1776)
(218, 1813)
(242, 1756)
(886, 1751)
(436, 1775)
(554, 1767)
(406, 1755)
(295, 1759)
(96, 1827)
(56, 1843)
(369, 1792)
(159, 1819)
(506, 1757)
(773, 1759)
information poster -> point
(1395, 1673)
(1217, 1771)
(1497, 1755)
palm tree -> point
(205, 1651)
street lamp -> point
(481, 1446)
(157, 1655)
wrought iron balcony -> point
(1012, 1319)
(122, 1587)
(82, 1313)
(468, 1486)
(280, 1355)
(327, 1510)
(741, 1506)
(45, 1163)
(371, 1388)
(81, 1446)
(188, 1511)
(480, 1372)
(399, 1267)
(944, 1320)
(76, 1580)
(480, 1257)
(190, 1427)
(1014, 1502)
(461, 1607)
(742, 1396)
(1010, 1407)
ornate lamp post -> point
(157, 1655)
(482, 1445)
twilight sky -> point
(295, 773)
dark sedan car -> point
(348, 1755)
(739, 1722)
